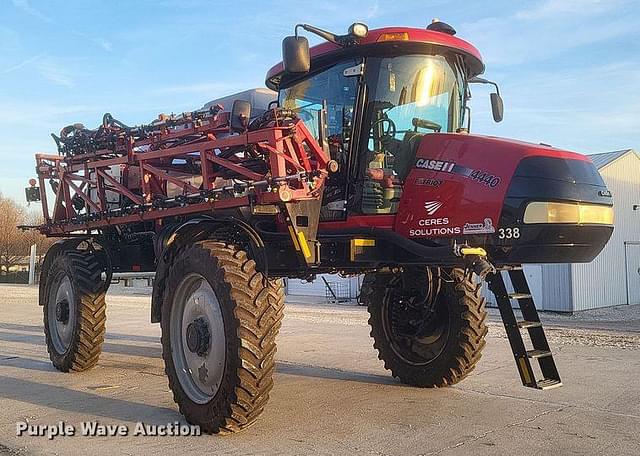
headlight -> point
(547, 212)
(358, 30)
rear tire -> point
(443, 354)
(220, 319)
(75, 310)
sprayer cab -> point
(391, 106)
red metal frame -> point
(295, 162)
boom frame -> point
(296, 171)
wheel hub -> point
(198, 336)
(62, 312)
(198, 341)
(417, 326)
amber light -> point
(394, 36)
(548, 212)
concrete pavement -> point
(331, 394)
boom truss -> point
(177, 166)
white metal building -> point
(613, 278)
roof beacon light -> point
(442, 27)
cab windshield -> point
(408, 96)
(415, 93)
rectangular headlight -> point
(548, 212)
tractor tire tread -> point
(258, 312)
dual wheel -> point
(220, 319)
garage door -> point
(298, 287)
(632, 260)
(533, 273)
(341, 286)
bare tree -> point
(12, 242)
(33, 236)
(15, 243)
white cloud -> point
(555, 9)
(512, 41)
(105, 44)
(373, 11)
(47, 115)
(25, 6)
(55, 72)
(20, 65)
(204, 88)
(590, 108)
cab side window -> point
(306, 98)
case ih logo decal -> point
(477, 175)
(432, 206)
(436, 165)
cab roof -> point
(404, 35)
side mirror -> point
(497, 107)
(240, 115)
(295, 55)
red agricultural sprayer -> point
(362, 163)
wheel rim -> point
(421, 342)
(62, 314)
(198, 342)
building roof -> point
(602, 160)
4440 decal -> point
(480, 176)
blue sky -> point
(569, 70)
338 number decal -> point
(508, 233)
(485, 178)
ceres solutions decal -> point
(434, 226)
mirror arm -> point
(478, 80)
(318, 31)
(340, 40)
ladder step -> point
(548, 383)
(519, 296)
(538, 353)
(529, 324)
(539, 345)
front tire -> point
(443, 347)
(75, 310)
(220, 319)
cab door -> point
(336, 90)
